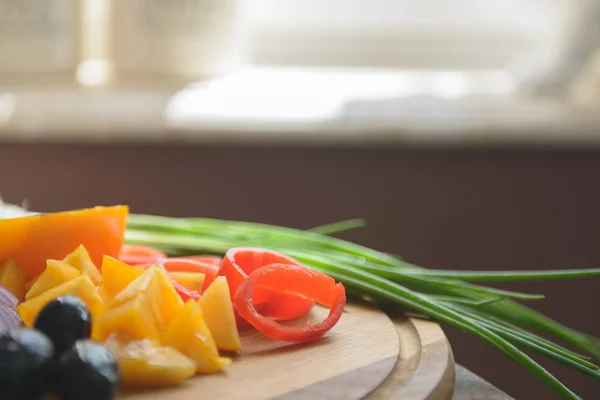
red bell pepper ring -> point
(144, 256)
(238, 263)
(185, 293)
(241, 322)
(140, 255)
(203, 264)
(185, 264)
(291, 279)
(212, 260)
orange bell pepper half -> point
(31, 240)
(238, 263)
(297, 280)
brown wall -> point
(442, 208)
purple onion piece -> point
(7, 298)
(9, 318)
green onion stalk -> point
(455, 298)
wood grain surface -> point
(425, 369)
(368, 355)
(267, 369)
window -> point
(407, 33)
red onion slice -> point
(9, 318)
(7, 298)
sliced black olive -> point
(25, 357)
(64, 320)
(87, 371)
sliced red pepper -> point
(183, 264)
(140, 255)
(213, 260)
(241, 322)
(297, 280)
(185, 293)
(201, 264)
(238, 263)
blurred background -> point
(466, 133)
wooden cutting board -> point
(367, 355)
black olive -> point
(25, 357)
(64, 320)
(88, 371)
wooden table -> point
(471, 387)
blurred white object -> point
(74, 113)
(7, 107)
(371, 106)
(544, 43)
(13, 211)
(564, 48)
(39, 36)
(95, 66)
(466, 34)
(278, 98)
(94, 72)
(585, 91)
(191, 38)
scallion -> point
(449, 297)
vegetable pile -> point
(450, 297)
(159, 322)
(172, 297)
(155, 320)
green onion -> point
(461, 300)
(338, 227)
(449, 297)
(508, 276)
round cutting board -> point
(366, 355)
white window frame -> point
(485, 34)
